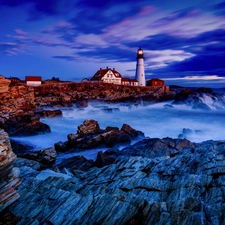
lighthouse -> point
(140, 71)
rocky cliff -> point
(9, 180)
(4, 84)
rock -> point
(60, 146)
(49, 113)
(110, 110)
(81, 103)
(103, 160)
(9, 180)
(76, 163)
(132, 132)
(45, 156)
(19, 148)
(4, 84)
(201, 106)
(25, 125)
(168, 106)
(183, 188)
(22, 162)
(88, 127)
(155, 147)
(89, 136)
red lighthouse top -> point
(140, 53)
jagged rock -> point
(111, 110)
(168, 106)
(45, 156)
(49, 113)
(132, 132)
(89, 135)
(76, 163)
(198, 99)
(201, 106)
(88, 127)
(19, 148)
(60, 146)
(103, 160)
(183, 188)
(4, 84)
(9, 180)
(25, 125)
(155, 147)
(186, 132)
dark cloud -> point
(218, 9)
(208, 62)
(40, 8)
(176, 15)
(110, 53)
(94, 16)
(159, 42)
(164, 41)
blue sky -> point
(183, 41)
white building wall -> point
(33, 83)
(140, 72)
(109, 77)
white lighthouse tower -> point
(140, 70)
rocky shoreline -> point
(154, 181)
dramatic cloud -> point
(179, 39)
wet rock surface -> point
(89, 136)
(197, 99)
(25, 124)
(185, 187)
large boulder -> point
(89, 136)
(4, 84)
(88, 127)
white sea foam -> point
(154, 120)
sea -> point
(157, 120)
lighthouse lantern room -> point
(140, 71)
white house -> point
(107, 75)
(33, 80)
(112, 76)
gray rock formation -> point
(89, 136)
(183, 188)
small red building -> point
(155, 82)
(33, 80)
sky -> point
(183, 41)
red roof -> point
(33, 78)
(155, 79)
(100, 73)
(125, 79)
(133, 80)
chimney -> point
(107, 67)
(113, 68)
